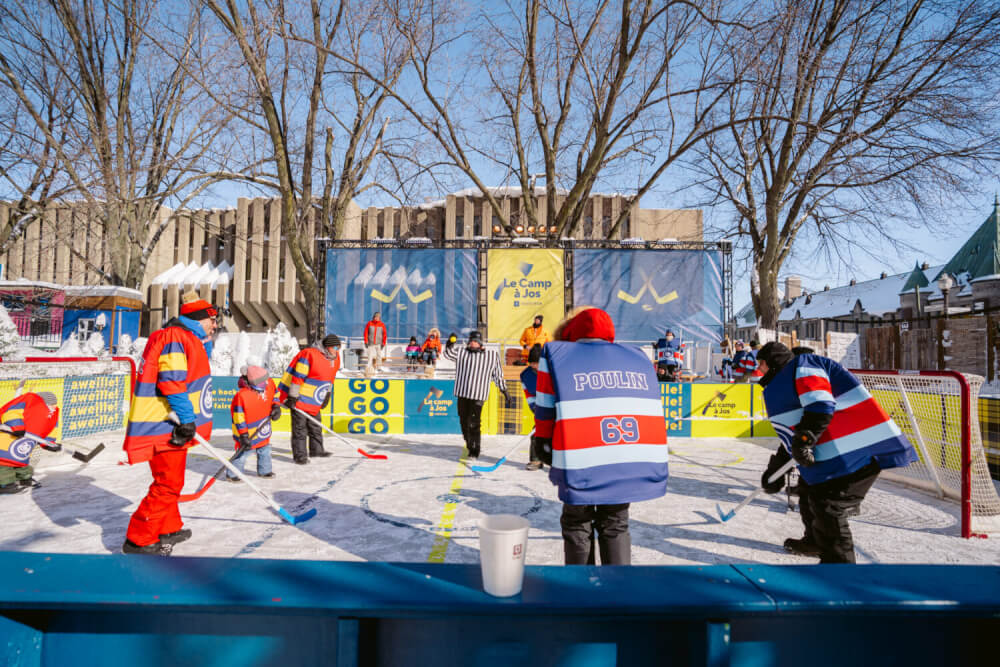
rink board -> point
(114, 610)
(395, 406)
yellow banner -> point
(721, 410)
(368, 406)
(522, 284)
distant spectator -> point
(375, 341)
(529, 380)
(756, 373)
(744, 362)
(412, 354)
(726, 369)
(668, 351)
(432, 347)
(533, 335)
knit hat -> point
(254, 374)
(535, 353)
(331, 341)
(475, 334)
(586, 322)
(539, 318)
(196, 308)
(775, 355)
(49, 398)
(669, 333)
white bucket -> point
(503, 539)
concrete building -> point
(239, 257)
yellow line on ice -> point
(447, 521)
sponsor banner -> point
(368, 406)
(676, 398)
(93, 403)
(431, 407)
(721, 410)
(519, 285)
(649, 291)
(414, 290)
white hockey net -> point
(929, 408)
(93, 397)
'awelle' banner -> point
(414, 290)
(521, 284)
(649, 291)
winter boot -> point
(30, 483)
(176, 537)
(802, 547)
(154, 549)
(533, 465)
(267, 474)
(13, 487)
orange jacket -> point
(532, 337)
(432, 343)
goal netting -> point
(938, 412)
(93, 396)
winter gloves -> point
(182, 434)
(290, 402)
(544, 450)
(244, 441)
(275, 412)
(778, 459)
(807, 434)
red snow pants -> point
(158, 513)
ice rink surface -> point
(423, 504)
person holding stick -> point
(308, 386)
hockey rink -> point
(424, 502)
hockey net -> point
(93, 397)
(938, 412)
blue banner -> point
(413, 289)
(431, 407)
(649, 291)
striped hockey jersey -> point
(600, 404)
(27, 412)
(744, 363)
(860, 431)
(529, 380)
(668, 352)
(251, 412)
(174, 362)
(311, 369)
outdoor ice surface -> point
(423, 504)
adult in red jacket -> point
(174, 377)
(28, 413)
(375, 341)
(308, 386)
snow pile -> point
(10, 340)
(222, 355)
(71, 348)
(281, 348)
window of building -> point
(459, 226)
(84, 327)
(380, 227)
(588, 227)
(396, 226)
(605, 226)
(477, 225)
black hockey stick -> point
(78, 454)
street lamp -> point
(945, 283)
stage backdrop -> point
(649, 291)
(519, 285)
(413, 289)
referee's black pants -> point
(470, 415)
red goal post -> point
(94, 394)
(938, 412)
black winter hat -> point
(331, 341)
(475, 335)
(535, 353)
(775, 355)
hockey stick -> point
(726, 516)
(502, 458)
(188, 497)
(367, 455)
(78, 454)
(282, 512)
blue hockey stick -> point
(502, 459)
(282, 512)
(726, 516)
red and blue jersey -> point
(251, 413)
(668, 352)
(744, 363)
(529, 380)
(860, 431)
(27, 412)
(600, 404)
(315, 373)
(174, 365)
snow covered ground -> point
(423, 503)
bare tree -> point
(295, 99)
(126, 135)
(581, 92)
(863, 110)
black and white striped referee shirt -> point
(474, 371)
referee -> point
(475, 368)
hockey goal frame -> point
(969, 421)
